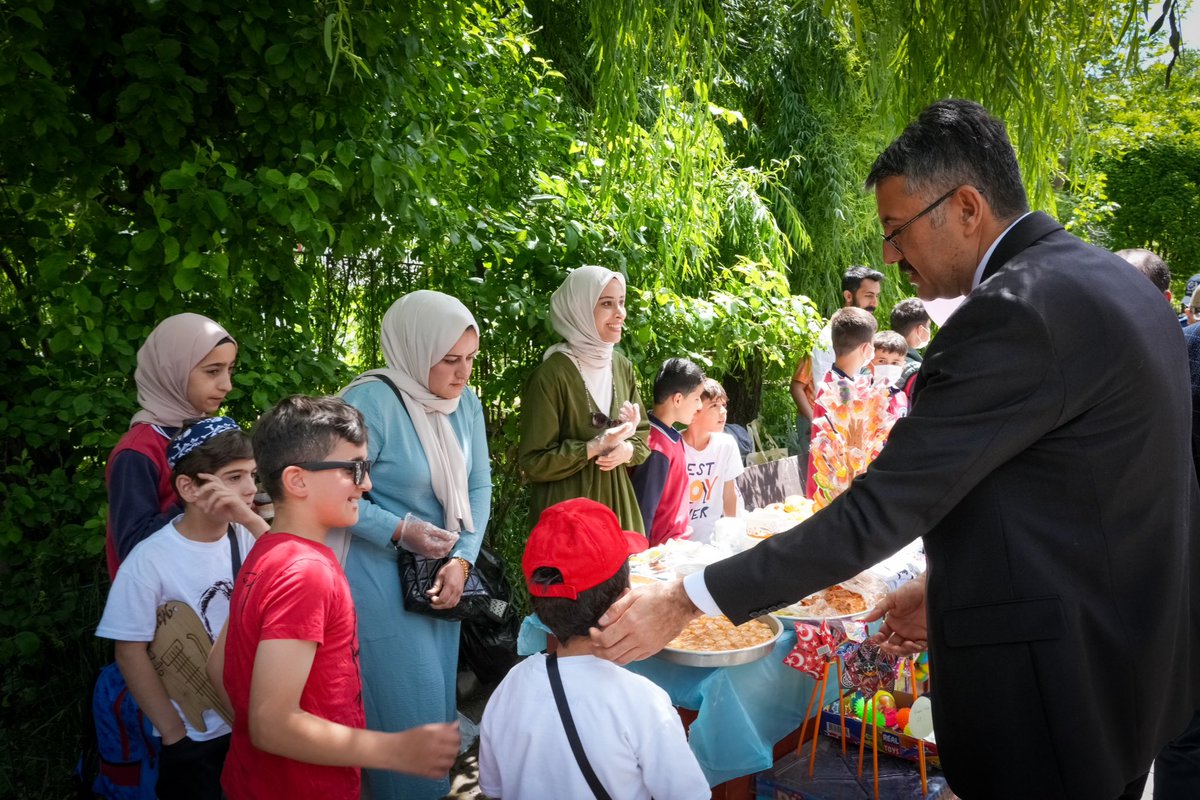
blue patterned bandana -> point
(195, 435)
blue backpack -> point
(126, 745)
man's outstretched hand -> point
(905, 630)
(641, 622)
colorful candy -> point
(885, 700)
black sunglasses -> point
(359, 470)
(599, 420)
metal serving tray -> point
(725, 658)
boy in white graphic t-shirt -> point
(713, 462)
(188, 560)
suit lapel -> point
(1029, 230)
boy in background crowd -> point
(660, 483)
(888, 365)
(852, 331)
(713, 463)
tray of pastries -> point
(717, 642)
(845, 600)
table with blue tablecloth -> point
(742, 711)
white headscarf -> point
(573, 315)
(164, 362)
(417, 332)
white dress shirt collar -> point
(978, 278)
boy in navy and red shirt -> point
(661, 482)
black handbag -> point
(417, 576)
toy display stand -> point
(869, 722)
(836, 777)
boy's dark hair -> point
(850, 328)
(890, 342)
(713, 390)
(678, 375)
(566, 618)
(302, 428)
(907, 315)
(854, 277)
(213, 455)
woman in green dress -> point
(581, 420)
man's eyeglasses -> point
(359, 470)
(890, 238)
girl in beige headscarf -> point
(184, 370)
(430, 466)
(581, 421)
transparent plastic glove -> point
(607, 442)
(424, 538)
(630, 413)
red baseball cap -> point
(581, 539)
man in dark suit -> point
(1045, 461)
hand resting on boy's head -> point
(632, 630)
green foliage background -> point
(290, 167)
(1141, 183)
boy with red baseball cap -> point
(569, 724)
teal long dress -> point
(556, 424)
(409, 661)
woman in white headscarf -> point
(184, 370)
(582, 422)
(430, 456)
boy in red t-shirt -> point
(291, 650)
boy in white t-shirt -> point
(713, 462)
(189, 560)
(630, 734)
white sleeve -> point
(489, 771)
(669, 768)
(697, 592)
(731, 459)
(130, 612)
